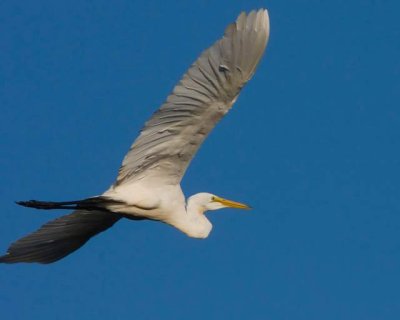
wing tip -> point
(9, 258)
(3, 259)
(255, 19)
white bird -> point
(148, 183)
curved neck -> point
(192, 221)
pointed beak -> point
(231, 204)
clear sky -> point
(312, 144)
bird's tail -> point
(62, 236)
(95, 203)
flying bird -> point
(148, 182)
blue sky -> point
(312, 144)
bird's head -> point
(207, 201)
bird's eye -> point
(212, 198)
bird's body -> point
(164, 203)
(148, 183)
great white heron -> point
(148, 183)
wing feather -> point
(60, 237)
(169, 140)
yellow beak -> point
(231, 204)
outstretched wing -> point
(60, 237)
(169, 140)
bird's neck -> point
(192, 221)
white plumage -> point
(148, 183)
